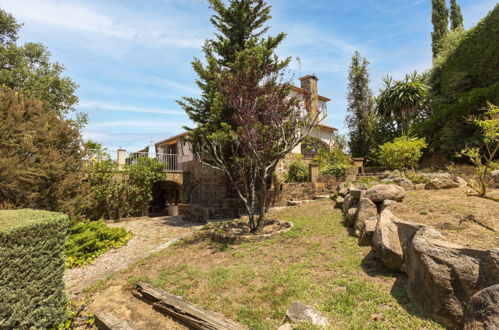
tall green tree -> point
(360, 105)
(440, 21)
(28, 68)
(41, 154)
(41, 159)
(245, 120)
(456, 18)
(238, 25)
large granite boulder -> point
(347, 203)
(367, 232)
(441, 182)
(350, 217)
(299, 312)
(495, 178)
(339, 202)
(391, 239)
(405, 183)
(356, 192)
(386, 242)
(366, 210)
(387, 203)
(381, 192)
(443, 276)
(482, 311)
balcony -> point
(172, 162)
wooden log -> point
(106, 321)
(183, 310)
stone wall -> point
(283, 193)
(203, 183)
(283, 166)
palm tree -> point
(404, 100)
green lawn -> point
(317, 263)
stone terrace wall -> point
(214, 181)
(301, 191)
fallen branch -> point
(471, 217)
(183, 310)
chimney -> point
(309, 84)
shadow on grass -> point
(373, 267)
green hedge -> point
(32, 260)
(448, 130)
(474, 63)
(462, 82)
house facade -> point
(190, 182)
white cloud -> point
(118, 107)
(140, 124)
(63, 15)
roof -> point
(171, 140)
(301, 90)
(330, 128)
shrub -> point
(32, 259)
(90, 239)
(298, 171)
(117, 194)
(41, 163)
(334, 162)
(489, 124)
(402, 153)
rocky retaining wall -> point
(456, 285)
(284, 193)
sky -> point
(132, 59)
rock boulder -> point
(482, 311)
(386, 243)
(405, 183)
(381, 192)
(350, 217)
(366, 210)
(299, 312)
(495, 178)
(441, 182)
(442, 276)
(367, 233)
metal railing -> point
(172, 162)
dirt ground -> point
(467, 220)
(150, 235)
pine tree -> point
(246, 121)
(440, 20)
(360, 103)
(238, 26)
(456, 18)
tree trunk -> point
(262, 205)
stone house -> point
(190, 182)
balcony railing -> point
(172, 162)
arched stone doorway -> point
(166, 193)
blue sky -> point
(132, 58)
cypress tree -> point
(440, 20)
(456, 18)
(360, 103)
(239, 26)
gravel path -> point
(150, 235)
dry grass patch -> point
(316, 262)
(449, 212)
